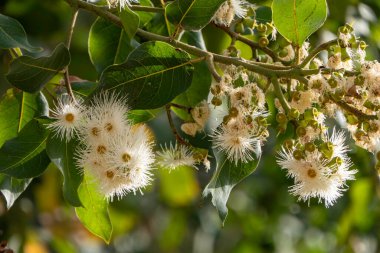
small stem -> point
(211, 67)
(279, 94)
(68, 44)
(180, 107)
(317, 50)
(252, 44)
(146, 8)
(172, 126)
(361, 115)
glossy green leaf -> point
(16, 110)
(192, 14)
(11, 188)
(130, 21)
(24, 156)
(226, 176)
(107, 44)
(139, 116)
(61, 153)
(152, 76)
(30, 74)
(94, 213)
(84, 88)
(12, 35)
(296, 20)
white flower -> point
(316, 176)
(175, 156)
(228, 10)
(191, 128)
(122, 3)
(69, 117)
(200, 113)
(236, 141)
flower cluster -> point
(244, 128)
(320, 167)
(121, 3)
(115, 153)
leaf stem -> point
(68, 44)
(146, 8)
(279, 94)
(317, 50)
(172, 126)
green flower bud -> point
(310, 147)
(281, 117)
(301, 131)
(263, 41)
(261, 28)
(297, 154)
(216, 90)
(288, 143)
(248, 22)
(239, 28)
(378, 155)
(313, 123)
(233, 52)
(352, 119)
(332, 82)
(362, 45)
(310, 114)
(327, 149)
(360, 133)
(226, 119)
(283, 53)
(294, 113)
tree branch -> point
(316, 51)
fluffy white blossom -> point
(68, 115)
(228, 10)
(122, 3)
(175, 156)
(317, 175)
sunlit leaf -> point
(192, 14)
(30, 74)
(94, 213)
(152, 76)
(296, 20)
(107, 44)
(16, 110)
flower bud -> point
(261, 29)
(301, 131)
(215, 90)
(288, 143)
(263, 41)
(294, 113)
(332, 82)
(239, 28)
(281, 117)
(248, 22)
(378, 155)
(216, 101)
(234, 112)
(297, 154)
(310, 147)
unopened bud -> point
(281, 117)
(263, 41)
(216, 101)
(301, 131)
(294, 113)
(234, 112)
(297, 154)
(310, 147)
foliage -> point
(214, 79)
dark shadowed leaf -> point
(12, 35)
(61, 154)
(152, 76)
(107, 44)
(17, 109)
(226, 176)
(11, 188)
(296, 20)
(24, 156)
(30, 74)
(192, 14)
(94, 213)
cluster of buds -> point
(244, 127)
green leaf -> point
(61, 154)
(192, 14)
(11, 188)
(296, 20)
(30, 74)
(199, 88)
(24, 156)
(107, 44)
(16, 110)
(130, 21)
(12, 35)
(139, 116)
(94, 213)
(84, 88)
(152, 76)
(226, 176)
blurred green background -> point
(172, 216)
